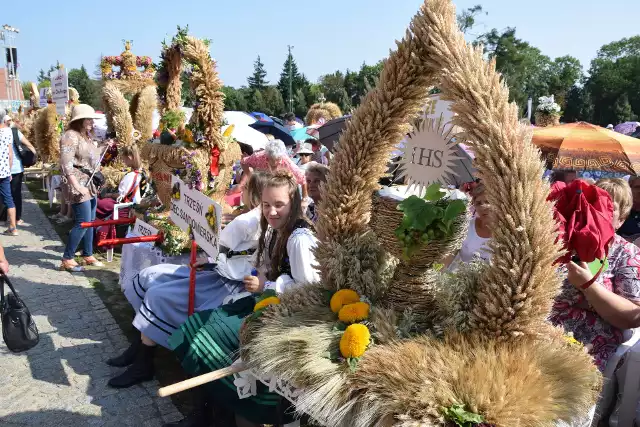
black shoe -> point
(140, 371)
(126, 358)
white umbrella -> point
(238, 118)
(247, 135)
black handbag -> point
(19, 331)
(27, 156)
(98, 178)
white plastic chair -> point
(116, 212)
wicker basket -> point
(412, 282)
(546, 119)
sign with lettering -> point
(428, 154)
(60, 90)
(192, 209)
(141, 228)
(43, 97)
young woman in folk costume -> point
(598, 313)
(160, 294)
(129, 189)
(285, 259)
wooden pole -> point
(192, 277)
(202, 379)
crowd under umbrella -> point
(626, 128)
(583, 146)
(330, 132)
(304, 134)
(278, 131)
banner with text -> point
(141, 228)
(60, 90)
(191, 208)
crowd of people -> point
(269, 245)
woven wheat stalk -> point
(546, 119)
(509, 366)
(47, 138)
(174, 87)
(118, 109)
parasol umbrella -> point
(247, 135)
(278, 131)
(330, 131)
(305, 133)
(583, 146)
(626, 128)
(261, 117)
(238, 118)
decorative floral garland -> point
(129, 64)
(548, 105)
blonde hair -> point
(620, 193)
(478, 190)
(132, 152)
(319, 169)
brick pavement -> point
(63, 380)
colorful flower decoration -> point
(211, 216)
(354, 341)
(353, 313)
(342, 298)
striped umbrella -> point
(583, 146)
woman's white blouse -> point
(300, 249)
(241, 234)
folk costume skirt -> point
(209, 341)
(160, 297)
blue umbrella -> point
(302, 134)
(278, 131)
(261, 117)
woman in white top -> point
(129, 187)
(160, 294)
(476, 244)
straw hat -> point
(83, 111)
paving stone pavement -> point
(63, 380)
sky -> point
(327, 35)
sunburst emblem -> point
(429, 153)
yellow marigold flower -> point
(354, 341)
(342, 298)
(352, 313)
(265, 302)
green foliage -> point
(298, 81)
(467, 18)
(300, 104)
(172, 119)
(273, 102)
(234, 99)
(256, 102)
(89, 90)
(258, 79)
(26, 90)
(427, 219)
(462, 418)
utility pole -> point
(290, 80)
(8, 35)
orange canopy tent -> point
(589, 147)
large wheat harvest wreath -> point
(487, 350)
(202, 133)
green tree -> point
(467, 18)
(300, 105)
(87, 88)
(26, 90)
(578, 105)
(44, 78)
(563, 74)
(333, 88)
(256, 102)
(258, 79)
(234, 99)
(298, 81)
(614, 74)
(274, 104)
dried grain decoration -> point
(47, 136)
(515, 294)
(174, 86)
(118, 108)
(147, 101)
(208, 90)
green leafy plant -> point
(172, 119)
(462, 418)
(427, 219)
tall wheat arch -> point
(508, 364)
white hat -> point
(7, 118)
(83, 111)
(306, 148)
(609, 126)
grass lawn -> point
(105, 282)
